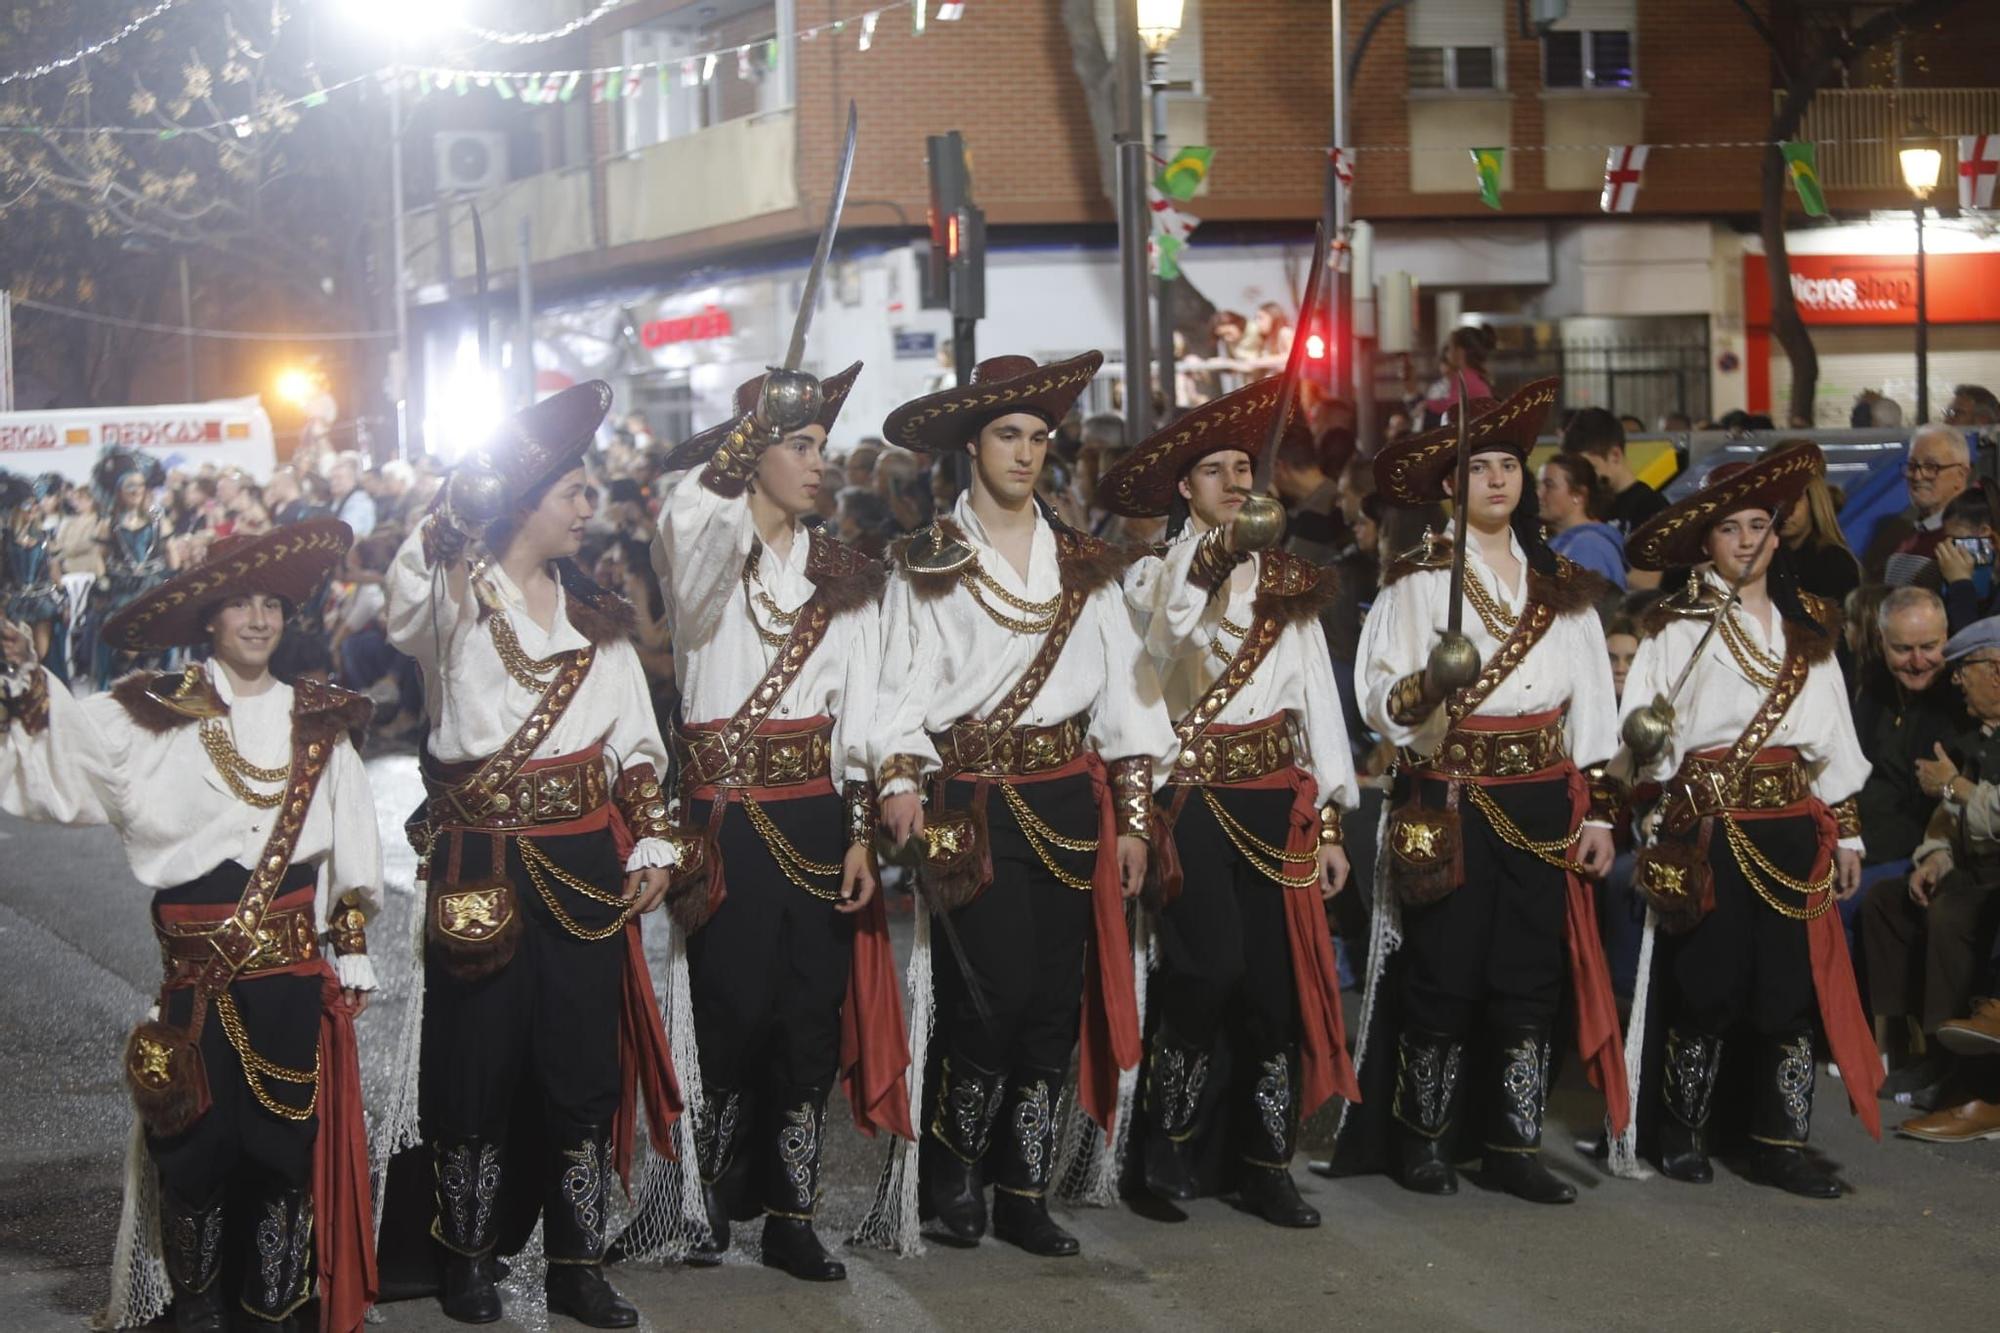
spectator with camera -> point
(1965, 559)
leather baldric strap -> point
(468, 804)
(721, 754)
(970, 754)
(1707, 786)
(1536, 619)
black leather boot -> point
(948, 1157)
(1176, 1073)
(1027, 1163)
(1781, 1122)
(1687, 1089)
(1427, 1069)
(1514, 1151)
(573, 1220)
(278, 1277)
(1270, 1136)
(468, 1190)
(791, 1191)
(717, 1131)
(191, 1237)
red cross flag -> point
(1978, 166)
(1622, 168)
(1343, 164)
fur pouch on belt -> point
(1164, 877)
(958, 864)
(694, 890)
(1425, 859)
(473, 928)
(1675, 877)
(167, 1077)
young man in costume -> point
(1017, 694)
(777, 652)
(1252, 811)
(245, 810)
(1493, 831)
(543, 837)
(1758, 835)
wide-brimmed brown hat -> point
(292, 562)
(1673, 538)
(697, 448)
(1142, 484)
(945, 421)
(542, 442)
(1411, 473)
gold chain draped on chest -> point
(1035, 618)
(754, 597)
(238, 772)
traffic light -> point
(951, 190)
(965, 247)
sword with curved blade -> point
(790, 399)
(1260, 523)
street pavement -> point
(1915, 1244)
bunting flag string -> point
(1622, 169)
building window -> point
(1454, 67)
(735, 87)
(1592, 59)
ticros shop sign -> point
(1879, 289)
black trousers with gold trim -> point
(1494, 946)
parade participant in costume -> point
(777, 653)
(1757, 836)
(1016, 692)
(135, 544)
(1251, 811)
(35, 597)
(245, 810)
(1492, 831)
(542, 839)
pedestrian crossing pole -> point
(6, 351)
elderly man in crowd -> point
(1972, 408)
(351, 505)
(1938, 470)
(1925, 940)
(1903, 707)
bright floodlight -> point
(467, 408)
(1920, 170)
(297, 386)
(1159, 23)
(402, 19)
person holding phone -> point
(1965, 558)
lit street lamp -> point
(1920, 173)
(1159, 24)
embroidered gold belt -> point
(544, 792)
(1772, 780)
(1500, 752)
(776, 755)
(968, 747)
(1242, 753)
(285, 938)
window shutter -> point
(1458, 22)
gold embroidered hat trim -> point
(292, 562)
(1674, 536)
(1412, 472)
(945, 421)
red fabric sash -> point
(1110, 1028)
(645, 1062)
(1849, 1035)
(1599, 1039)
(1324, 1067)
(874, 1053)
(345, 1229)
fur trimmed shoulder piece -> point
(1829, 620)
(932, 558)
(845, 578)
(600, 615)
(1291, 588)
(1088, 563)
(163, 701)
(1570, 590)
(330, 709)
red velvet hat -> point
(1675, 536)
(292, 562)
(1411, 473)
(945, 421)
(696, 449)
(1142, 484)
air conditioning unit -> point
(469, 161)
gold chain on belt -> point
(796, 867)
(1252, 847)
(1756, 867)
(1544, 849)
(256, 1068)
(538, 864)
(1040, 835)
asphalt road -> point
(1915, 1244)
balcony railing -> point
(1859, 130)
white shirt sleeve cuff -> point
(355, 971)
(650, 854)
(1850, 845)
(1597, 823)
(896, 787)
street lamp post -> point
(1159, 24)
(1920, 173)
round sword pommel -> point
(1259, 524)
(789, 401)
(1645, 730)
(1454, 663)
(475, 497)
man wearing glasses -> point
(1972, 408)
(1938, 469)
